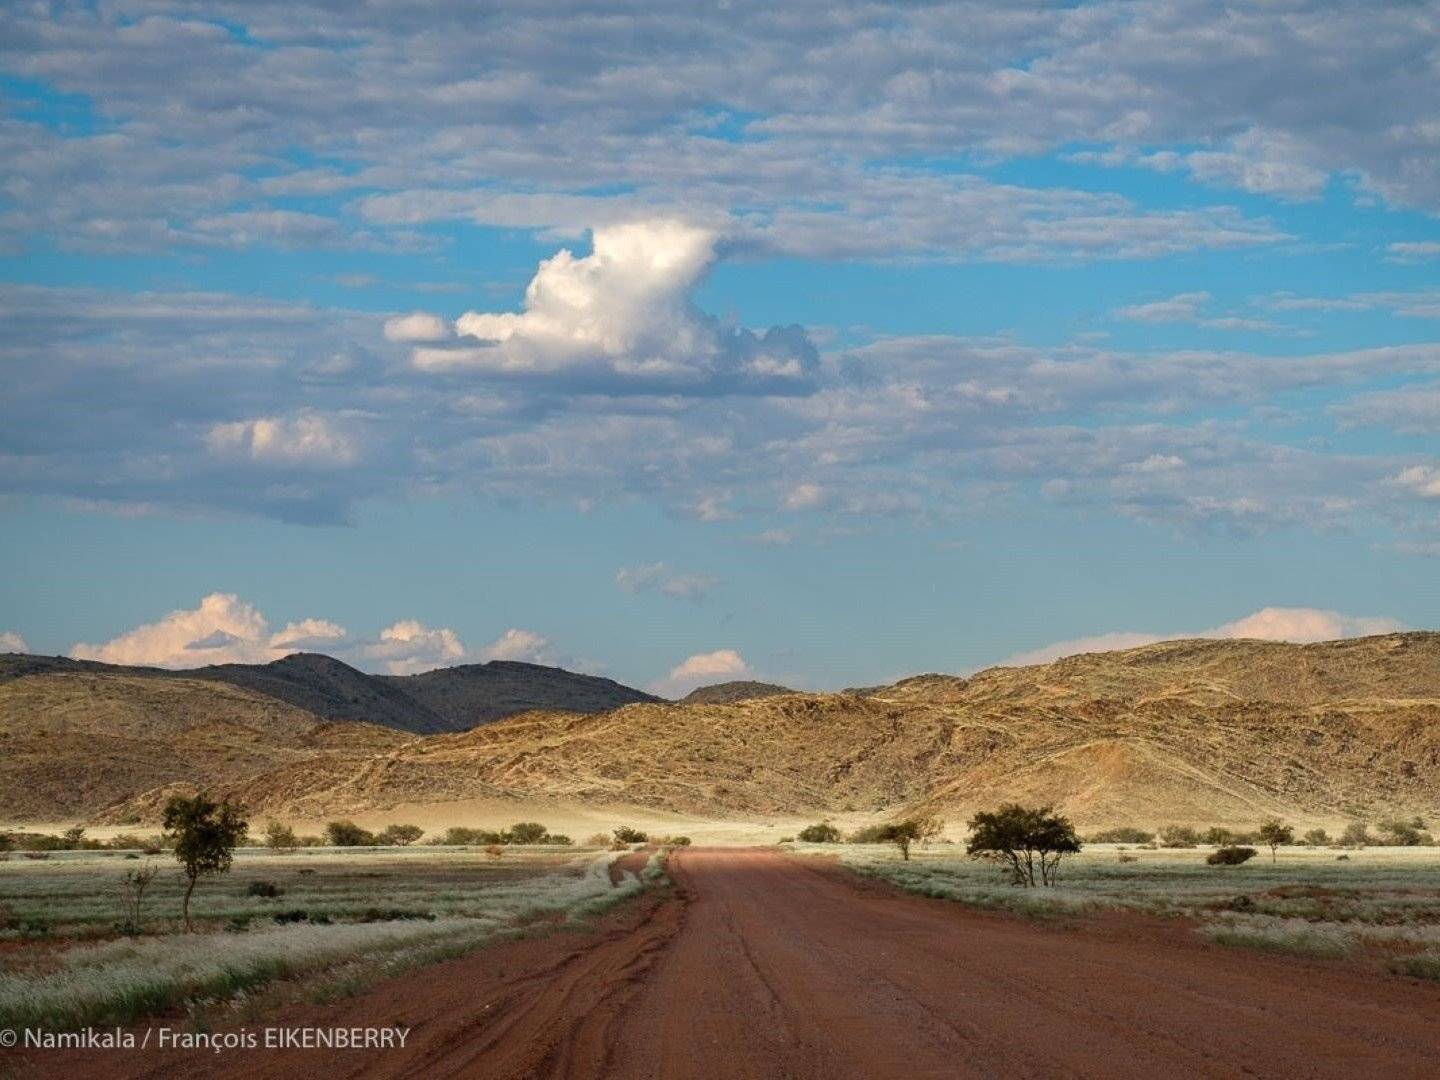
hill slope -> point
(74, 744)
(1203, 732)
(472, 694)
(726, 693)
(447, 699)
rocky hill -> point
(74, 744)
(447, 699)
(1199, 732)
(727, 693)
(472, 694)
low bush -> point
(1179, 836)
(348, 834)
(823, 833)
(626, 835)
(1230, 856)
(267, 890)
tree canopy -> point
(1024, 840)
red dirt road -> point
(765, 965)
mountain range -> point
(1199, 731)
(447, 699)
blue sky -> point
(824, 343)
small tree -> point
(902, 834)
(1019, 837)
(401, 835)
(1274, 833)
(280, 837)
(136, 882)
(930, 829)
(823, 833)
(205, 835)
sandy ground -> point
(763, 965)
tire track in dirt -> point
(763, 965)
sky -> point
(821, 343)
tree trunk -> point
(185, 908)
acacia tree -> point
(902, 834)
(205, 835)
(1275, 833)
(1023, 839)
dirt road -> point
(765, 965)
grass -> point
(1380, 902)
(449, 903)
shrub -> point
(1124, 834)
(348, 834)
(1017, 836)
(823, 833)
(279, 837)
(558, 839)
(527, 832)
(598, 839)
(1356, 834)
(400, 835)
(266, 889)
(1317, 838)
(1179, 836)
(1230, 856)
(1401, 833)
(626, 835)
(460, 836)
(677, 841)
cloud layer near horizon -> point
(224, 629)
(1297, 625)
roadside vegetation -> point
(1316, 896)
(96, 933)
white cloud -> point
(1304, 625)
(308, 635)
(223, 629)
(409, 646)
(1298, 625)
(417, 326)
(10, 641)
(306, 438)
(1182, 308)
(625, 309)
(806, 496)
(662, 579)
(700, 669)
(1186, 308)
(517, 644)
(1412, 251)
(1422, 480)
